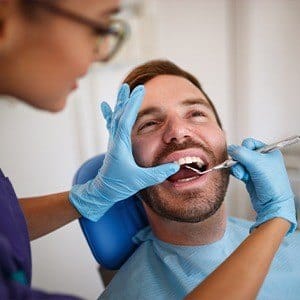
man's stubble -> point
(195, 205)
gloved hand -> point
(266, 181)
(120, 176)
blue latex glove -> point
(266, 181)
(119, 177)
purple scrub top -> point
(15, 254)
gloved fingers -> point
(239, 172)
(123, 96)
(160, 173)
(252, 144)
(107, 113)
(112, 117)
(131, 109)
(243, 155)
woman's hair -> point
(147, 71)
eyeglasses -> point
(110, 37)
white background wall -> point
(245, 54)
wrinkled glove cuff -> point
(285, 211)
(90, 205)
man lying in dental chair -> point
(189, 233)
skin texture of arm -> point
(241, 275)
(46, 213)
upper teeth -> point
(191, 159)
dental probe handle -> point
(281, 144)
(268, 148)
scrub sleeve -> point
(15, 253)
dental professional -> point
(45, 47)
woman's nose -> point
(177, 131)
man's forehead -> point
(171, 90)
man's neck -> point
(188, 234)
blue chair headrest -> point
(110, 238)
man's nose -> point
(177, 131)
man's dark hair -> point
(151, 69)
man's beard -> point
(194, 205)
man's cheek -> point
(222, 151)
(217, 142)
(140, 153)
(217, 138)
(135, 151)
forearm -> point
(241, 275)
(46, 213)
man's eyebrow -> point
(148, 111)
(194, 101)
(186, 102)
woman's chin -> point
(52, 106)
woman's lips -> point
(74, 86)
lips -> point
(178, 155)
(74, 86)
(193, 157)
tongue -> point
(182, 174)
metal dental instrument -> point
(268, 148)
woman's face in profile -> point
(46, 53)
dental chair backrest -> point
(110, 239)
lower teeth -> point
(187, 179)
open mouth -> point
(185, 174)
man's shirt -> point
(158, 270)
